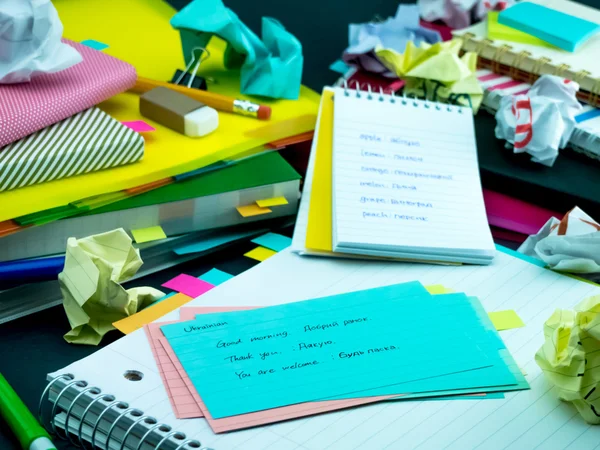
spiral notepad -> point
(406, 180)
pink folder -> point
(515, 215)
(28, 107)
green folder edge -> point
(264, 169)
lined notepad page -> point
(406, 177)
(532, 419)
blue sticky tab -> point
(96, 45)
(208, 243)
(592, 114)
(339, 66)
(273, 241)
(529, 259)
(215, 277)
(555, 27)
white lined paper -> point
(406, 179)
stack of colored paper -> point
(243, 368)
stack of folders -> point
(182, 192)
(384, 186)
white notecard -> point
(406, 179)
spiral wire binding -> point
(404, 100)
(111, 403)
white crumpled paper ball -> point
(30, 41)
(542, 121)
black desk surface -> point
(33, 346)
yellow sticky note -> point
(318, 230)
(151, 313)
(506, 320)
(252, 210)
(438, 289)
(495, 30)
(148, 234)
(260, 253)
(275, 201)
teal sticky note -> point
(339, 66)
(273, 241)
(215, 277)
(323, 348)
(213, 241)
(555, 27)
(96, 45)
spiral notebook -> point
(405, 180)
(526, 62)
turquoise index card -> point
(215, 277)
(273, 241)
(320, 349)
(555, 27)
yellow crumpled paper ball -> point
(570, 356)
(436, 72)
(90, 283)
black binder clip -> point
(189, 77)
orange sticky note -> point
(252, 210)
(151, 313)
(275, 201)
(260, 253)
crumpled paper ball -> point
(570, 356)
(30, 41)
(542, 121)
(437, 72)
(393, 33)
(459, 14)
(568, 245)
(90, 283)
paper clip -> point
(195, 59)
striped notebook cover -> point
(49, 98)
(88, 141)
(586, 137)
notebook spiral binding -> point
(83, 397)
(392, 98)
(525, 67)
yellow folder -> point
(138, 31)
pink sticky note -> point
(188, 285)
(139, 125)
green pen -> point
(30, 433)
